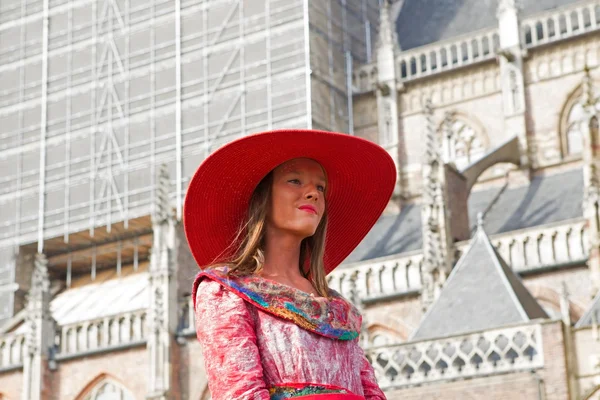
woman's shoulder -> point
(209, 285)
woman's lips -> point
(309, 209)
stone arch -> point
(468, 142)
(389, 334)
(571, 141)
(105, 387)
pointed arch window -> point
(107, 389)
(573, 112)
(573, 140)
(463, 143)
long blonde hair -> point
(249, 257)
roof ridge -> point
(587, 317)
(470, 281)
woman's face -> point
(297, 197)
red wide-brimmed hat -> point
(361, 177)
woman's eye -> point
(295, 181)
(321, 188)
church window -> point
(463, 144)
(572, 140)
(108, 389)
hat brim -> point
(361, 177)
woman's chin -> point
(305, 232)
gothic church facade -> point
(481, 280)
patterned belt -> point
(308, 391)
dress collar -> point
(333, 317)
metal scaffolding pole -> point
(178, 149)
(349, 92)
(308, 73)
(43, 121)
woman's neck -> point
(282, 256)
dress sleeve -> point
(225, 329)
(369, 383)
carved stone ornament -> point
(158, 317)
(384, 89)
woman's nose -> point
(312, 193)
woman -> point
(267, 217)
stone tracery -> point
(463, 144)
(572, 141)
(108, 389)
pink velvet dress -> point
(268, 341)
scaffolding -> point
(95, 95)
(342, 34)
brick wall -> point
(520, 386)
(11, 384)
(129, 367)
(547, 287)
(192, 370)
(555, 365)
(400, 316)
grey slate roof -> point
(545, 200)
(421, 22)
(392, 234)
(592, 315)
(482, 292)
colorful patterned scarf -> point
(333, 317)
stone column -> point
(437, 237)
(510, 58)
(40, 333)
(162, 312)
(387, 91)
